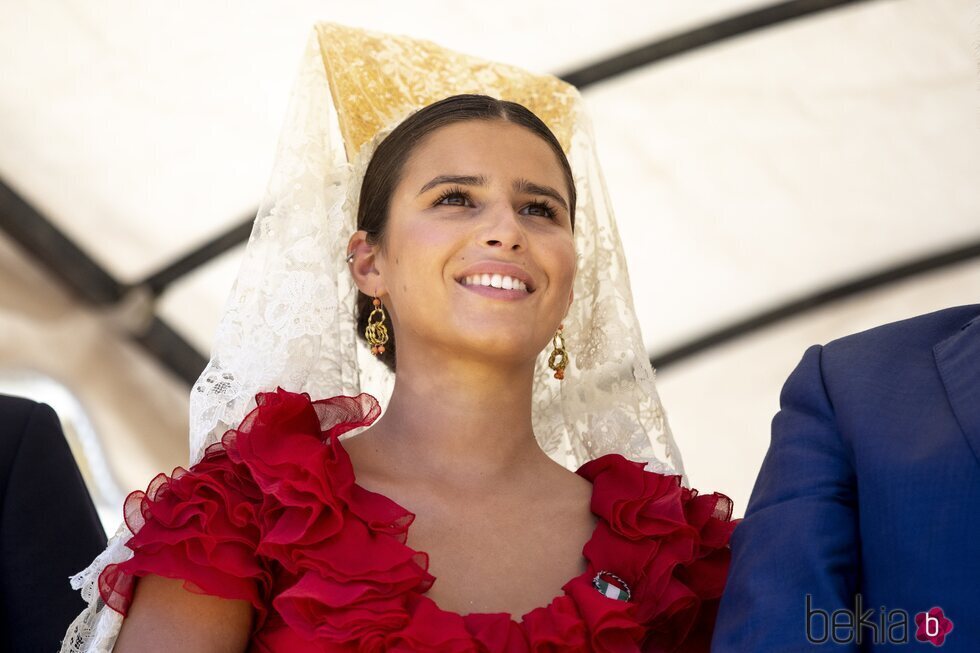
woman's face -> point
(477, 202)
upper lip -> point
(501, 268)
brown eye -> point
(541, 209)
(453, 197)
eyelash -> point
(549, 209)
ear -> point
(364, 266)
(571, 298)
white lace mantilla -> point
(290, 318)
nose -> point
(505, 230)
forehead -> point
(494, 148)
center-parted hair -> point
(384, 171)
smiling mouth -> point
(495, 281)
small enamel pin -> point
(610, 585)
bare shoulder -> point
(558, 498)
(164, 616)
(575, 488)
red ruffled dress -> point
(273, 515)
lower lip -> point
(497, 293)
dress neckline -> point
(325, 562)
(423, 595)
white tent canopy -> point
(745, 174)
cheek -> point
(418, 261)
(565, 263)
(421, 232)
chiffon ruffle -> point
(272, 515)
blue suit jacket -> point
(871, 486)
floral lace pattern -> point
(377, 79)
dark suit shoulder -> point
(897, 344)
(16, 416)
(15, 412)
(929, 329)
(884, 385)
(49, 528)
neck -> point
(465, 421)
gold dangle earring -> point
(559, 356)
(376, 333)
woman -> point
(446, 525)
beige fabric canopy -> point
(745, 174)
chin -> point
(514, 345)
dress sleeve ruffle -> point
(232, 521)
(671, 541)
(198, 525)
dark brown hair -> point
(384, 171)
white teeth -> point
(495, 281)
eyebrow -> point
(462, 180)
(520, 185)
(529, 187)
